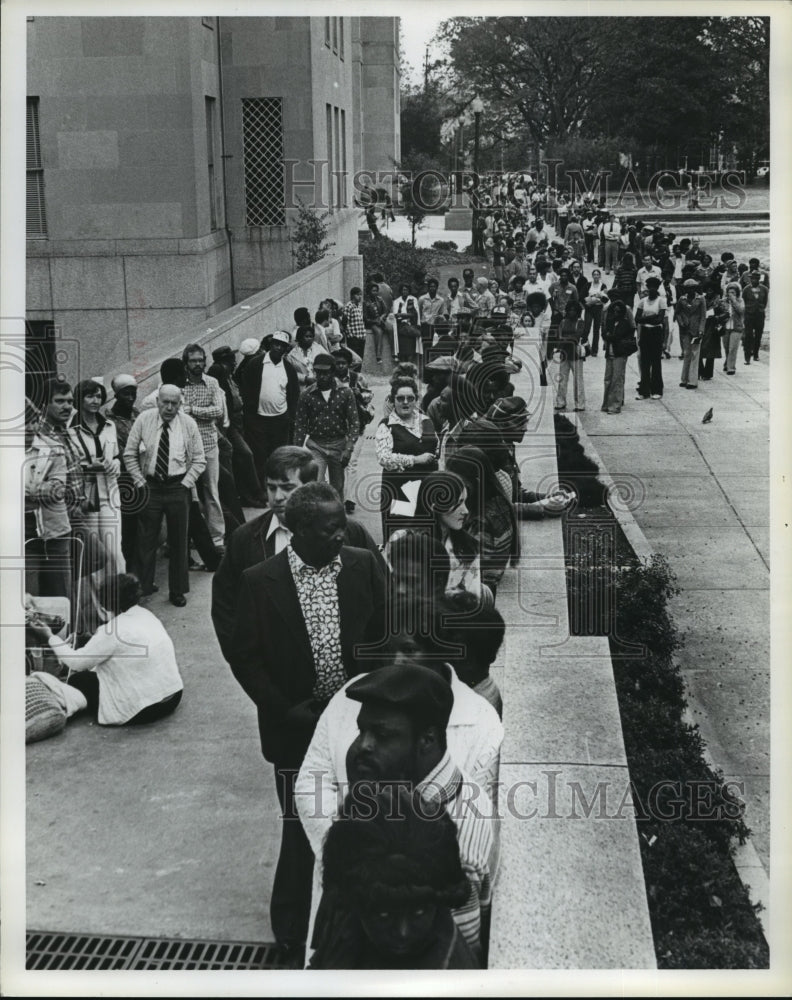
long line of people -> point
(368, 659)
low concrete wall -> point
(570, 892)
(265, 311)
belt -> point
(168, 481)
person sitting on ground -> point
(127, 670)
(391, 875)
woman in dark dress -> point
(406, 446)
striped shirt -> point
(471, 810)
(205, 399)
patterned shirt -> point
(205, 399)
(317, 592)
(327, 419)
(352, 320)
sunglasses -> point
(405, 399)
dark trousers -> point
(173, 501)
(589, 240)
(593, 321)
(88, 683)
(706, 367)
(244, 467)
(131, 501)
(651, 344)
(48, 567)
(290, 904)
(201, 537)
(752, 340)
(264, 435)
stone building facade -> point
(166, 156)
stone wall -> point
(264, 312)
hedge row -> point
(399, 260)
(687, 818)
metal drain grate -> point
(46, 950)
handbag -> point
(630, 347)
(91, 491)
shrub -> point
(310, 235)
(398, 260)
(444, 245)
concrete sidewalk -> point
(700, 494)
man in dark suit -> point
(301, 617)
(266, 535)
(269, 390)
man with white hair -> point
(165, 456)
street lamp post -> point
(476, 106)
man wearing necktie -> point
(302, 618)
(165, 456)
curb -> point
(747, 862)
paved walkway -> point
(174, 830)
(700, 493)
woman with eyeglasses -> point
(406, 446)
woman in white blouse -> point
(127, 670)
(406, 446)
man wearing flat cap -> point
(403, 724)
(270, 390)
(326, 422)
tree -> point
(310, 235)
(540, 72)
(412, 205)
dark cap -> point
(220, 353)
(417, 691)
(323, 361)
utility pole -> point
(426, 69)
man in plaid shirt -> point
(203, 401)
(327, 423)
(352, 322)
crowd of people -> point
(368, 658)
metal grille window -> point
(262, 140)
(36, 218)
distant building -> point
(166, 156)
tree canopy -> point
(666, 83)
